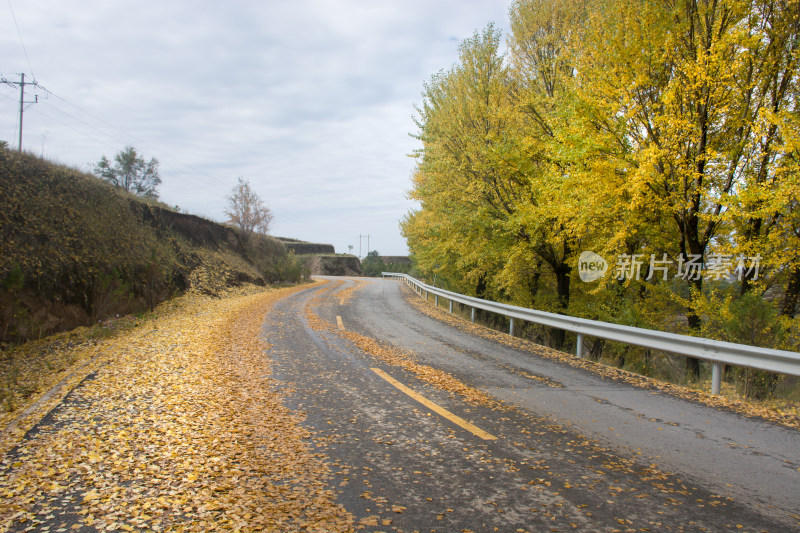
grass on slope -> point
(74, 250)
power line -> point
(21, 83)
(73, 128)
(7, 96)
(95, 117)
(99, 130)
(19, 33)
(83, 122)
(211, 181)
(284, 217)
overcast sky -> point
(310, 100)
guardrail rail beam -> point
(714, 351)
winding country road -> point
(517, 441)
(365, 408)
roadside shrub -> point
(372, 265)
(746, 319)
(286, 269)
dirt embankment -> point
(307, 248)
(74, 250)
(328, 265)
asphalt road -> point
(561, 449)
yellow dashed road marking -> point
(435, 407)
(339, 322)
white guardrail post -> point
(716, 352)
(716, 377)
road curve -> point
(561, 449)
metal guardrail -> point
(717, 352)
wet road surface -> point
(516, 442)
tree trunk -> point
(480, 292)
(480, 288)
(533, 281)
(789, 304)
(752, 232)
(692, 363)
(562, 290)
(562, 286)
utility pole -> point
(359, 244)
(21, 106)
(22, 83)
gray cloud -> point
(311, 100)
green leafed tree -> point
(372, 265)
(131, 172)
(493, 176)
(247, 211)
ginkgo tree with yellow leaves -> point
(487, 182)
(662, 132)
(466, 197)
(685, 88)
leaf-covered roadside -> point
(180, 429)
